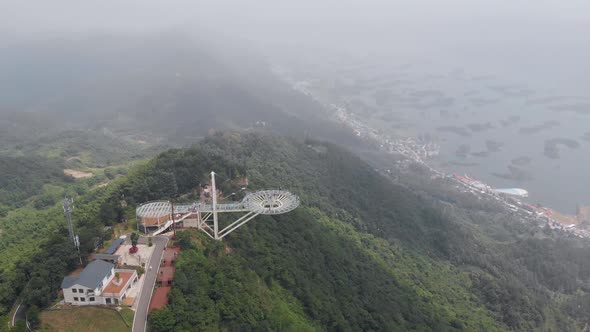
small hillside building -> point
(97, 285)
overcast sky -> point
(74, 16)
(521, 34)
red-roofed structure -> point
(115, 287)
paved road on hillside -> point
(140, 319)
(19, 314)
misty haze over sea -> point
(504, 133)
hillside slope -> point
(360, 253)
(166, 89)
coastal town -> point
(418, 152)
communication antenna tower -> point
(68, 208)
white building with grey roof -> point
(98, 285)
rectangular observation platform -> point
(159, 209)
(155, 215)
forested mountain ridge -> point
(360, 253)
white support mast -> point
(214, 207)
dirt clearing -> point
(77, 174)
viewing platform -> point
(159, 216)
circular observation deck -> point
(271, 202)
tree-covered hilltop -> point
(361, 253)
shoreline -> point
(418, 153)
